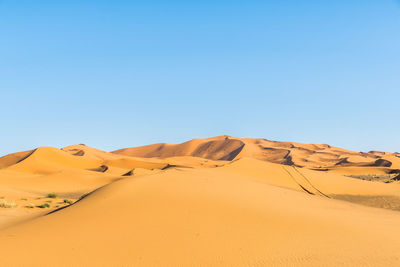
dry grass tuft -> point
(5, 204)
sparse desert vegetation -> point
(7, 204)
(51, 195)
(44, 205)
(386, 178)
(68, 201)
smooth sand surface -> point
(210, 202)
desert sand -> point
(221, 201)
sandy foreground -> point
(221, 201)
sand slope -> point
(14, 158)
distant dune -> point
(218, 148)
(288, 153)
(221, 201)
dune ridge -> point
(320, 156)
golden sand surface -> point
(221, 201)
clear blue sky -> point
(115, 74)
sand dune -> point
(221, 201)
(89, 152)
(46, 160)
(14, 158)
(223, 148)
(206, 218)
(288, 153)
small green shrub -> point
(51, 195)
(67, 201)
(30, 206)
(44, 205)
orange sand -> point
(222, 201)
